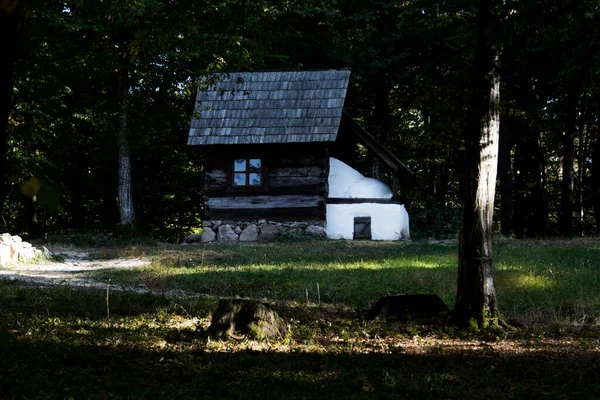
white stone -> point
(25, 245)
(5, 254)
(208, 235)
(17, 239)
(14, 252)
(388, 221)
(268, 232)
(250, 234)
(237, 230)
(27, 254)
(194, 237)
(45, 252)
(346, 182)
(316, 230)
(226, 234)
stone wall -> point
(13, 250)
(251, 231)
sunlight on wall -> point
(388, 221)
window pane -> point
(239, 179)
(239, 165)
(255, 179)
(255, 165)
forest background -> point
(81, 69)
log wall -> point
(295, 183)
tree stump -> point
(408, 306)
(247, 317)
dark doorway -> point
(362, 228)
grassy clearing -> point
(60, 343)
(537, 281)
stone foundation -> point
(14, 250)
(252, 231)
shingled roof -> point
(270, 107)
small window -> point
(362, 228)
(247, 172)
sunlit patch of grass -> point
(533, 275)
(356, 281)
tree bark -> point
(476, 292)
(382, 114)
(568, 155)
(595, 172)
(506, 180)
(520, 203)
(539, 223)
(9, 27)
(581, 163)
(125, 188)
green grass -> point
(535, 280)
(58, 343)
(346, 272)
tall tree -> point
(476, 291)
(568, 155)
(505, 178)
(9, 24)
(126, 209)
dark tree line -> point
(93, 81)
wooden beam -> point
(380, 150)
(256, 202)
(337, 200)
(312, 189)
(270, 214)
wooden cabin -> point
(267, 138)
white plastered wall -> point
(388, 221)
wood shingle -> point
(270, 107)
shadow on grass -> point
(520, 293)
(51, 353)
(533, 281)
(46, 369)
(354, 287)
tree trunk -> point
(581, 164)
(539, 223)
(9, 26)
(595, 171)
(568, 154)
(476, 292)
(506, 180)
(125, 187)
(520, 203)
(382, 114)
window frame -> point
(263, 187)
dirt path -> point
(70, 272)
